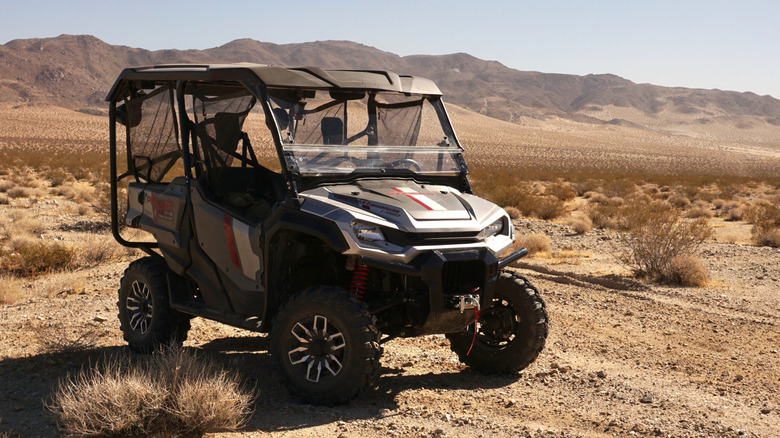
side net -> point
(153, 141)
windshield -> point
(340, 132)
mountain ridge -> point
(76, 71)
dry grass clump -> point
(30, 258)
(78, 191)
(6, 185)
(95, 249)
(4, 200)
(10, 289)
(172, 393)
(580, 222)
(699, 209)
(687, 270)
(534, 243)
(656, 235)
(19, 192)
(513, 212)
(22, 224)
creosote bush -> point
(656, 235)
(31, 258)
(765, 218)
(171, 393)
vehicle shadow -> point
(276, 410)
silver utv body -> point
(356, 169)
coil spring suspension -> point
(359, 281)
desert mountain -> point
(76, 71)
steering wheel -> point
(406, 163)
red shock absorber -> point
(359, 281)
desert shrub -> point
(173, 393)
(619, 187)
(719, 203)
(587, 185)
(96, 249)
(561, 190)
(736, 214)
(31, 258)
(686, 270)
(765, 218)
(57, 176)
(79, 191)
(10, 289)
(607, 217)
(23, 224)
(513, 212)
(651, 189)
(679, 201)
(19, 192)
(4, 200)
(656, 234)
(533, 243)
(547, 207)
(6, 185)
(595, 197)
(768, 238)
(699, 211)
(580, 222)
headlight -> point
(367, 232)
(494, 228)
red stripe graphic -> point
(412, 198)
(231, 241)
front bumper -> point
(449, 275)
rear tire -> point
(325, 344)
(512, 329)
(145, 316)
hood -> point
(389, 198)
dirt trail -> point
(623, 358)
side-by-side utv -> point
(329, 208)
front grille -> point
(402, 238)
(463, 277)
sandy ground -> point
(623, 357)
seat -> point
(332, 129)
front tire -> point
(512, 329)
(325, 344)
(145, 316)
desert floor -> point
(623, 357)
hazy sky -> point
(730, 45)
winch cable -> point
(476, 322)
